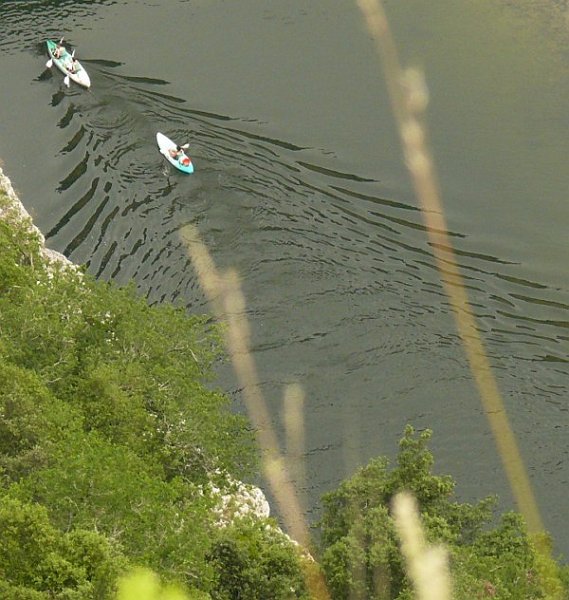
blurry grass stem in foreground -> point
(224, 293)
(293, 418)
(143, 584)
(427, 566)
(409, 99)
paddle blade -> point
(66, 80)
(49, 63)
(185, 146)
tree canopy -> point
(489, 556)
(111, 427)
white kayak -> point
(67, 64)
(174, 154)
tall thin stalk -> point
(409, 99)
(228, 302)
(426, 565)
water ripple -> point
(278, 213)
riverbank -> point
(112, 431)
(14, 212)
(242, 499)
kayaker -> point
(179, 155)
(73, 66)
(59, 50)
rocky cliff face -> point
(13, 211)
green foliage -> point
(138, 373)
(253, 561)
(553, 576)
(509, 564)
(360, 553)
(20, 254)
(109, 430)
(83, 337)
(38, 560)
(97, 485)
(135, 374)
(32, 421)
(361, 557)
(110, 433)
(18, 592)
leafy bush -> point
(253, 560)
(360, 553)
(37, 560)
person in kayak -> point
(178, 154)
(59, 50)
(73, 65)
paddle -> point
(66, 80)
(49, 63)
(184, 147)
(183, 158)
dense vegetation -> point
(111, 433)
(361, 555)
(110, 436)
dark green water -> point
(300, 185)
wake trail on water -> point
(122, 215)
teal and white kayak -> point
(174, 154)
(66, 63)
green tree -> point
(20, 254)
(110, 430)
(360, 549)
(140, 374)
(96, 485)
(39, 561)
(253, 560)
(32, 421)
(109, 420)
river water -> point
(300, 186)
